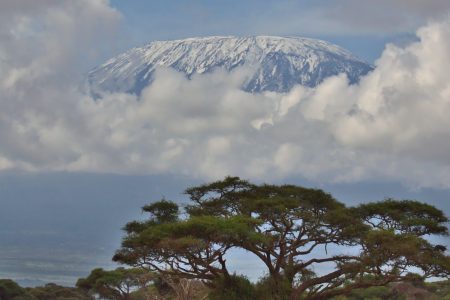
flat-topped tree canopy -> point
(292, 230)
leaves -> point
(115, 284)
(162, 211)
(405, 216)
(289, 228)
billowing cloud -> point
(393, 125)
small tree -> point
(116, 284)
(292, 230)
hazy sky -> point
(361, 26)
(387, 136)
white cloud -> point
(393, 125)
(403, 105)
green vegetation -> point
(9, 290)
(240, 289)
(440, 288)
(290, 229)
(370, 251)
(232, 288)
(55, 292)
(116, 284)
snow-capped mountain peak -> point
(279, 63)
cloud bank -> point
(393, 125)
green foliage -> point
(162, 211)
(10, 290)
(289, 229)
(53, 291)
(232, 288)
(402, 290)
(116, 284)
(385, 246)
(269, 289)
(200, 240)
(372, 293)
(405, 216)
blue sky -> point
(71, 165)
(145, 21)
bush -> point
(232, 288)
(10, 290)
(267, 289)
(372, 293)
(53, 291)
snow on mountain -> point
(278, 63)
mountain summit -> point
(278, 63)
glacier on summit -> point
(277, 63)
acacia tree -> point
(293, 231)
(193, 248)
(115, 284)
